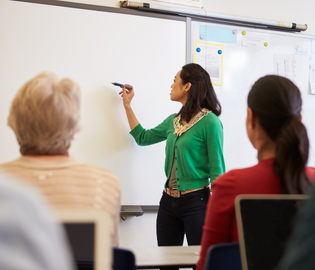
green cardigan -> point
(198, 151)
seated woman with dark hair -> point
(45, 116)
(275, 130)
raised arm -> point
(127, 96)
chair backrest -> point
(224, 256)
(88, 232)
(264, 225)
(124, 259)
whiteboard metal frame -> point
(103, 8)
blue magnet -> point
(219, 52)
(198, 49)
(202, 37)
(234, 32)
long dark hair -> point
(201, 94)
(277, 103)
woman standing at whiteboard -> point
(194, 154)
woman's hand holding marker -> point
(127, 94)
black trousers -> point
(180, 216)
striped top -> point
(68, 184)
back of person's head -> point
(277, 103)
(30, 236)
(45, 115)
(201, 94)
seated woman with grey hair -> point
(44, 116)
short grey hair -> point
(45, 115)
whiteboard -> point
(96, 48)
(242, 66)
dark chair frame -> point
(224, 256)
(123, 259)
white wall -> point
(138, 231)
(301, 12)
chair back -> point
(224, 256)
(88, 232)
(124, 259)
(264, 224)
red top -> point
(220, 222)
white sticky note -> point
(286, 65)
(255, 40)
(312, 79)
(210, 56)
